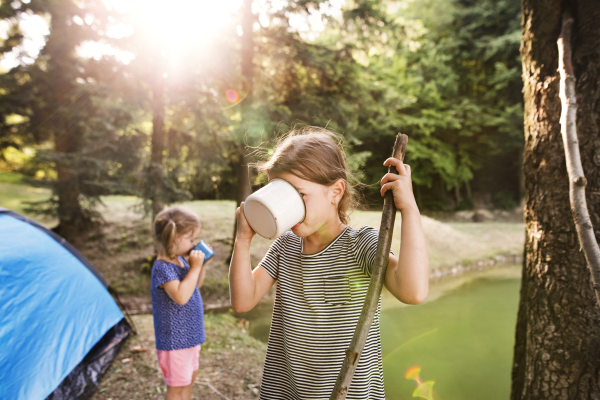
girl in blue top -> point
(176, 302)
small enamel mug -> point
(274, 209)
(203, 247)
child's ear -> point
(337, 190)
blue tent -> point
(59, 326)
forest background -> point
(170, 100)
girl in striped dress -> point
(322, 268)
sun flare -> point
(185, 20)
(178, 21)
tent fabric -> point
(84, 379)
(60, 240)
(54, 309)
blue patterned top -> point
(175, 327)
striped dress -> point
(318, 301)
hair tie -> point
(170, 220)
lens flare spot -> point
(413, 373)
(232, 96)
(424, 390)
(270, 152)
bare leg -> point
(187, 392)
(175, 392)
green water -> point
(463, 341)
(462, 337)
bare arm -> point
(181, 291)
(201, 276)
(407, 277)
(246, 287)
(203, 273)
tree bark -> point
(557, 349)
(244, 187)
(468, 190)
(577, 181)
(457, 194)
(67, 136)
(158, 143)
(247, 63)
(247, 68)
(244, 181)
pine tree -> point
(65, 102)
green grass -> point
(10, 177)
(14, 195)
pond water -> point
(462, 338)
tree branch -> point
(379, 268)
(577, 180)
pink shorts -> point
(177, 366)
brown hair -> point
(317, 155)
(170, 223)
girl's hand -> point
(196, 259)
(244, 232)
(400, 184)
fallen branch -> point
(577, 181)
(380, 264)
(207, 383)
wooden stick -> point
(378, 270)
(577, 181)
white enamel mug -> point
(274, 209)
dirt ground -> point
(231, 364)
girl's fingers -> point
(389, 177)
(386, 187)
(241, 210)
(243, 225)
(197, 254)
(396, 163)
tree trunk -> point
(457, 194)
(66, 132)
(158, 143)
(557, 350)
(247, 51)
(468, 190)
(244, 182)
(244, 187)
(72, 219)
(577, 181)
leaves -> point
(445, 72)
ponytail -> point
(168, 236)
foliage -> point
(445, 72)
(453, 85)
(64, 100)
